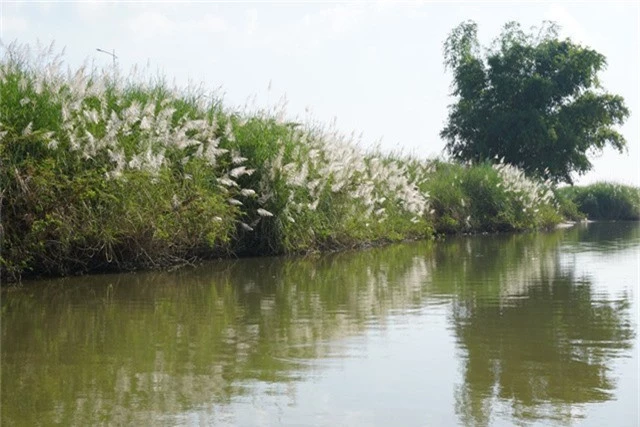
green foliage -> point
(532, 99)
(567, 208)
(58, 224)
(485, 198)
(98, 174)
(603, 200)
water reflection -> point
(533, 337)
(604, 236)
(133, 348)
(550, 346)
(537, 339)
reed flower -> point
(264, 212)
(240, 171)
(227, 182)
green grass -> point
(604, 201)
(100, 174)
(483, 198)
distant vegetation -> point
(605, 201)
(488, 198)
(105, 173)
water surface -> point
(532, 329)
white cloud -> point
(209, 23)
(91, 10)
(252, 21)
(570, 27)
(372, 54)
(14, 24)
(45, 7)
(383, 6)
(338, 19)
(155, 24)
(314, 29)
(152, 25)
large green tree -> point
(532, 99)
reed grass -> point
(604, 200)
(101, 172)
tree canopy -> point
(530, 98)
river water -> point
(527, 329)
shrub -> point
(485, 198)
(606, 201)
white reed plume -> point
(227, 182)
(264, 212)
(240, 171)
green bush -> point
(604, 201)
(486, 198)
(567, 208)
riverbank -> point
(112, 174)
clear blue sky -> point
(374, 66)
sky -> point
(375, 68)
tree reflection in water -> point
(537, 344)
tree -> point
(531, 99)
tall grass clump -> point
(317, 190)
(101, 172)
(98, 174)
(605, 201)
(488, 198)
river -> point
(523, 329)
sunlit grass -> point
(486, 198)
(605, 200)
(104, 172)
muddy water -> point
(535, 329)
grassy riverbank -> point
(604, 201)
(103, 174)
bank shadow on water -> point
(141, 348)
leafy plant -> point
(532, 100)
